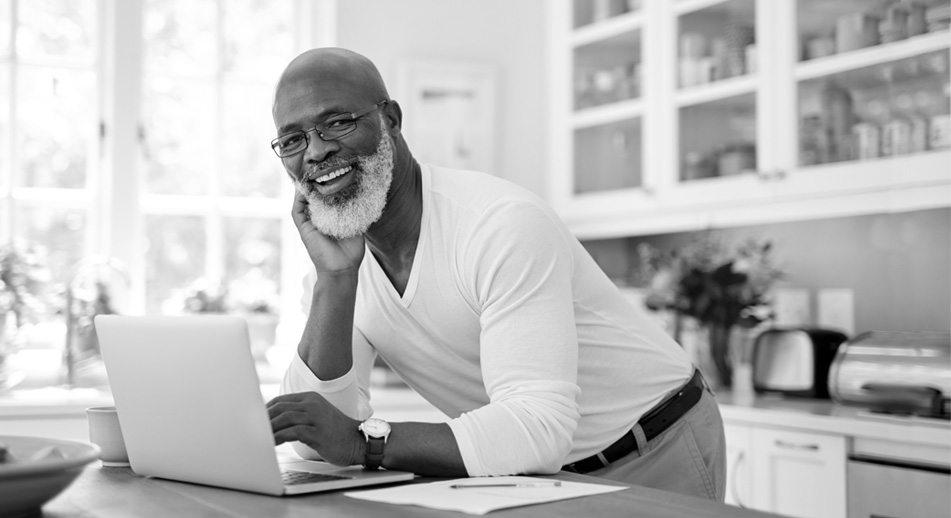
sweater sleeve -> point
(349, 393)
(521, 276)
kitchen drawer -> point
(883, 490)
(799, 474)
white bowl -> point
(26, 484)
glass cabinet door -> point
(717, 82)
(873, 79)
(607, 112)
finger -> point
(294, 433)
(299, 211)
(291, 419)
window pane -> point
(258, 38)
(253, 263)
(6, 16)
(249, 167)
(57, 29)
(56, 114)
(61, 231)
(180, 37)
(181, 142)
(174, 258)
(5, 122)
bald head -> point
(334, 71)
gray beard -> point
(351, 211)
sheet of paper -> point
(481, 500)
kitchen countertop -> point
(399, 403)
(827, 416)
(120, 492)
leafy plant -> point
(706, 280)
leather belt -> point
(652, 423)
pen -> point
(556, 483)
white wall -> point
(508, 34)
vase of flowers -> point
(24, 280)
(720, 287)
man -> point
(474, 292)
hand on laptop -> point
(309, 418)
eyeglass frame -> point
(275, 144)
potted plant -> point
(720, 288)
(24, 280)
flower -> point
(704, 280)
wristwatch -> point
(376, 431)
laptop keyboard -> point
(292, 478)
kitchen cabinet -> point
(681, 115)
(739, 458)
(798, 473)
(805, 457)
(795, 473)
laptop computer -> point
(191, 409)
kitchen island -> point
(811, 444)
(118, 492)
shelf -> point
(689, 6)
(609, 28)
(717, 90)
(871, 56)
(608, 113)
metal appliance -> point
(898, 376)
(794, 361)
(902, 372)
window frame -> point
(113, 199)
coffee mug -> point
(104, 432)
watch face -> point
(376, 427)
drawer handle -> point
(794, 446)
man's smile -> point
(333, 174)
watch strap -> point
(374, 455)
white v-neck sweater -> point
(509, 327)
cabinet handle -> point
(733, 475)
(794, 446)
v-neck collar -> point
(412, 283)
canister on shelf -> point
(917, 22)
(855, 31)
(894, 26)
(600, 10)
(919, 134)
(738, 34)
(896, 138)
(866, 140)
(939, 132)
(690, 72)
(751, 59)
(835, 111)
(736, 159)
(693, 45)
(820, 47)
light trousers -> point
(688, 458)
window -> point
(49, 125)
(139, 129)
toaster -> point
(795, 361)
(904, 372)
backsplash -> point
(897, 267)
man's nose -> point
(318, 149)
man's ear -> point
(393, 114)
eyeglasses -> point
(297, 141)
